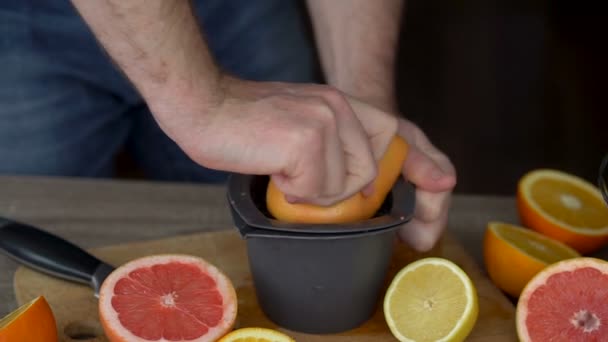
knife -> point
(50, 254)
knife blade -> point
(51, 254)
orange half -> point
(33, 321)
(564, 207)
(513, 255)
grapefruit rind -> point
(109, 317)
(541, 278)
(469, 317)
(525, 193)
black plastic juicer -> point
(317, 278)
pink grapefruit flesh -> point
(167, 298)
(567, 301)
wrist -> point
(186, 111)
(382, 97)
(197, 92)
(375, 86)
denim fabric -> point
(66, 110)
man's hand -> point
(318, 145)
(435, 177)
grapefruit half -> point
(167, 298)
(566, 302)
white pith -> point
(593, 322)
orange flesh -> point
(533, 245)
(33, 321)
(569, 203)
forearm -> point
(158, 45)
(358, 42)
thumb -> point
(422, 170)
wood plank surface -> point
(75, 307)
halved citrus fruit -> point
(33, 321)
(354, 208)
(431, 299)
(564, 207)
(513, 255)
(167, 298)
(256, 335)
(565, 302)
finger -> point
(379, 126)
(425, 172)
(431, 205)
(415, 136)
(360, 164)
(357, 116)
(423, 236)
(303, 175)
(324, 114)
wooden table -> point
(94, 213)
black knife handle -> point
(46, 252)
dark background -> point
(504, 87)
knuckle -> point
(332, 94)
(282, 101)
(431, 212)
(320, 110)
(430, 206)
(309, 138)
(338, 101)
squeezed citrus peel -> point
(355, 208)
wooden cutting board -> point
(75, 307)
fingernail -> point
(368, 190)
(291, 199)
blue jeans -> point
(66, 110)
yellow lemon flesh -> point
(431, 299)
(256, 335)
